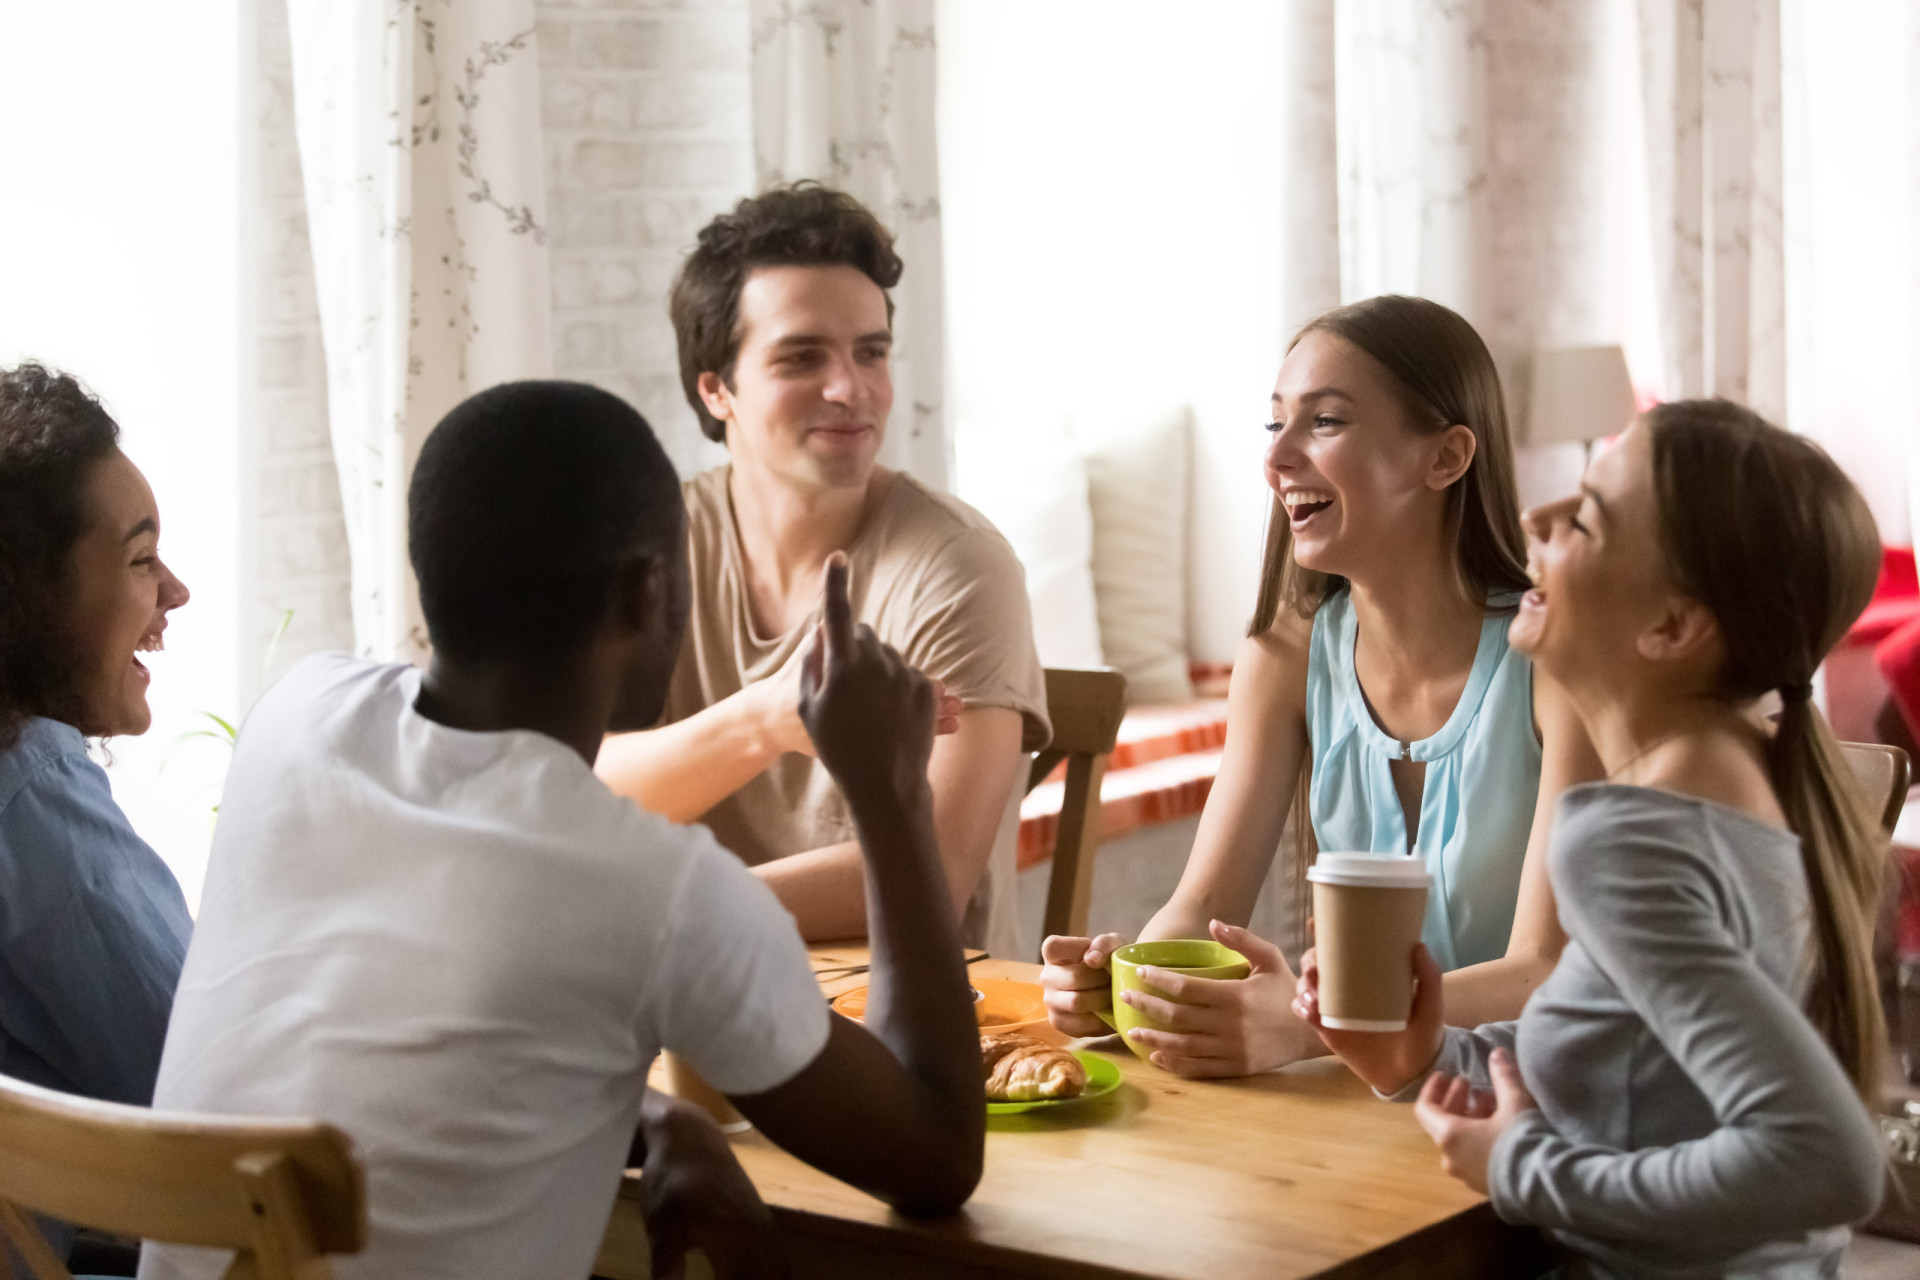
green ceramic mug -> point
(1198, 957)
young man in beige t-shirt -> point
(784, 328)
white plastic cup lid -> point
(1370, 870)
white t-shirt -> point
(465, 951)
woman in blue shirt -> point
(93, 927)
(1376, 670)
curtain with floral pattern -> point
(1710, 75)
(843, 92)
(420, 151)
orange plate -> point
(1009, 1005)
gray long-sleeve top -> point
(1691, 1122)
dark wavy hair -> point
(802, 225)
(52, 432)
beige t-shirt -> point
(933, 579)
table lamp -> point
(1579, 395)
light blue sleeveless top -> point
(1483, 775)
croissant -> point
(1022, 1069)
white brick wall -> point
(645, 107)
(646, 116)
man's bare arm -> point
(972, 773)
(681, 770)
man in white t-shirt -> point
(426, 921)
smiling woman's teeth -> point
(150, 644)
(1302, 503)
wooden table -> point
(1295, 1173)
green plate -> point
(1102, 1079)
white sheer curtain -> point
(1852, 176)
(1711, 74)
(843, 92)
(1474, 167)
(420, 150)
(1728, 188)
(1310, 164)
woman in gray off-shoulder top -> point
(1683, 1095)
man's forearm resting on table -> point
(916, 978)
(824, 889)
(908, 1081)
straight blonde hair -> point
(1763, 528)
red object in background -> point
(1898, 657)
(1896, 599)
(1891, 625)
(1907, 929)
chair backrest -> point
(282, 1193)
(1086, 707)
(1884, 774)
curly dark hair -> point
(52, 432)
(802, 225)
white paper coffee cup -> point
(1367, 912)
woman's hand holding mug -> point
(1224, 1027)
(1076, 983)
(1225, 1015)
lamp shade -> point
(1579, 394)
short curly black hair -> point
(52, 433)
(802, 225)
(526, 502)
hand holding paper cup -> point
(1368, 909)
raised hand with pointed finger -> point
(870, 716)
(775, 705)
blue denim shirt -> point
(93, 926)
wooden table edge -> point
(1470, 1245)
(1467, 1245)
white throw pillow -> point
(1137, 483)
(1028, 478)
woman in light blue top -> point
(1478, 799)
(1377, 666)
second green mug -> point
(1196, 957)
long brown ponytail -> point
(1765, 530)
(1444, 375)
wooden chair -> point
(1086, 707)
(1881, 771)
(281, 1193)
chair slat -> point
(1086, 708)
(1884, 774)
(172, 1176)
